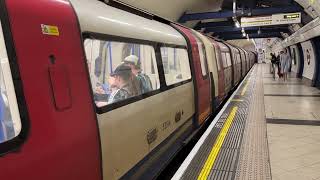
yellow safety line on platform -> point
(244, 89)
(217, 146)
(237, 100)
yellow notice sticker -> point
(50, 30)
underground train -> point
(61, 63)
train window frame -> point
(156, 46)
(161, 64)
(203, 60)
(15, 143)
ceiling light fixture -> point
(237, 24)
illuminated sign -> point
(275, 19)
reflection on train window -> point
(10, 123)
(175, 65)
(120, 70)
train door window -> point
(175, 64)
(238, 58)
(224, 60)
(120, 70)
(228, 57)
(203, 59)
(217, 61)
(10, 122)
(202, 56)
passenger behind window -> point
(124, 84)
(101, 95)
(145, 83)
(6, 124)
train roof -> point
(98, 17)
(223, 47)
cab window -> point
(120, 70)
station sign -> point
(275, 19)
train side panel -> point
(140, 133)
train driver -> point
(135, 65)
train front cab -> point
(201, 75)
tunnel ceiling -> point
(214, 17)
(225, 27)
(174, 9)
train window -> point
(203, 58)
(175, 64)
(228, 57)
(224, 60)
(10, 123)
(120, 70)
(238, 58)
(217, 58)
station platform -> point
(268, 129)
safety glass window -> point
(120, 70)
(10, 123)
(176, 65)
(228, 59)
(224, 60)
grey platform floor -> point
(293, 128)
(275, 134)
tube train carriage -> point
(58, 61)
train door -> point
(212, 68)
(243, 63)
(247, 61)
(62, 141)
(220, 71)
(227, 68)
(200, 72)
(238, 65)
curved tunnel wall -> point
(317, 47)
(309, 61)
